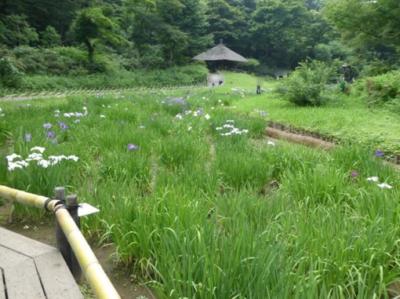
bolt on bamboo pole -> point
(91, 267)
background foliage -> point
(102, 36)
(162, 33)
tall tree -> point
(285, 33)
(192, 20)
(174, 29)
(366, 22)
(15, 31)
(41, 13)
(227, 22)
(92, 26)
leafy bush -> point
(50, 37)
(376, 67)
(252, 65)
(152, 57)
(130, 58)
(9, 75)
(383, 89)
(104, 63)
(55, 61)
(62, 61)
(306, 85)
(330, 51)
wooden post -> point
(258, 89)
(71, 203)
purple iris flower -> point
(47, 126)
(63, 125)
(132, 147)
(51, 134)
(379, 154)
(200, 111)
(354, 174)
(176, 101)
(28, 137)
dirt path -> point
(298, 138)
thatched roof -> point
(220, 52)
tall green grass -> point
(175, 76)
(198, 215)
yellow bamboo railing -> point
(91, 268)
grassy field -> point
(347, 117)
(201, 205)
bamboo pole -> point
(91, 267)
(22, 197)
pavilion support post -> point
(71, 204)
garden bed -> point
(196, 208)
(313, 139)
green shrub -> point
(376, 67)
(29, 60)
(50, 37)
(103, 63)
(383, 89)
(73, 60)
(332, 50)
(63, 61)
(152, 57)
(306, 85)
(9, 75)
(72, 53)
(54, 61)
(252, 66)
(130, 59)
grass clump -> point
(384, 90)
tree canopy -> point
(376, 22)
(162, 33)
(91, 25)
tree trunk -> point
(90, 49)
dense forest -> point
(73, 37)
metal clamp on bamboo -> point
(91, 268)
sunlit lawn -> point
(348, 118)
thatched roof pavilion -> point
(220, 52)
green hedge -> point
(190, 74)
